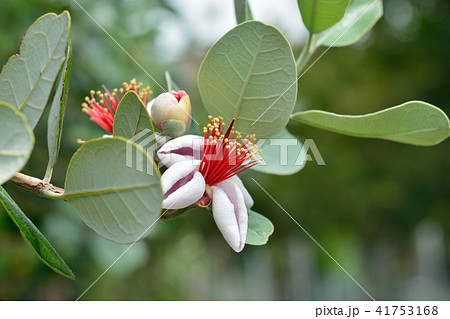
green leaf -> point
(113, 184)
(131, 117)
(259, 229)
(319, 15)
(56, 115)
(414, 122)
(16, 141)
(34, 237)
(359, 19)
(27, 79)
(171, 85)
(281, 155)
(250, 75)
(242, 11)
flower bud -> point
(171, 112)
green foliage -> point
(281, 155)
(259, 229)
(359, 19)
(171, 85)
(131, 117)
(249, 75)
(16, 141)
(319, 15)
(34, 237)
(414, 122)
(242, 11)
(27, 79)
(56, 114)
(113, 184)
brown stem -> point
(37, 186)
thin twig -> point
(37, 186)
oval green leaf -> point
(281, 155)
(16, 141)
(34, 237)
(56, 115)
(26, 80)
(250, 75)
(131, 117)
(114, 186)
(259, 229)
(414, 122)
(319, 15)
(359, 19)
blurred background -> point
(381, 209)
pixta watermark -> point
(276, 151)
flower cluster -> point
(203, 171)
(102, 111)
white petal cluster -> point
(184, 185)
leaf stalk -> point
(306, 54)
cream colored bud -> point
(171, 112)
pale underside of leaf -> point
(414, 122)
(27, 79)
(16, 141)
(281, 155)
(131, 117)
(249, 75)
(259, 229)
(118, 201)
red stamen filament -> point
(103, 111)
(225, 155)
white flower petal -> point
(182, 185)
(186, 147)
(149, 106)
(230, 213)
(247, 198)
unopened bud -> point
(171, 112)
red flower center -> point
(103, 111)
(225, 155)
(178, 95)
